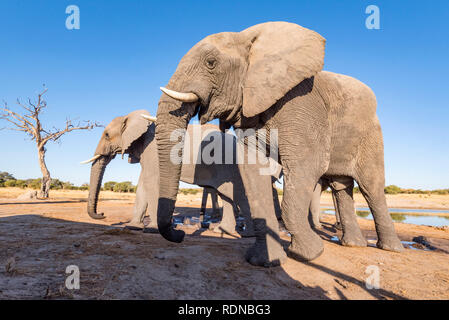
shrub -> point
(10, 183)
(56, 184)
(68, 186)
(5, 176)
(189, 191)
(84, 186)
(21, 184)
(441, 191)
(34, 183)
(126, 186)
(109, 185)
(392, 189)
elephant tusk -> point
(149, 118)
(95, 157)
(181, 96)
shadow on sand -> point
(120, 264)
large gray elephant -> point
(133, 134)
(269, 77)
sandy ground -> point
(39, 239)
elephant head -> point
(232, 76)
(119, 136)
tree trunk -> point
(46, 179)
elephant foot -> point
(269, 254)
(137, 226)
(151, 228)
(306, 248)
(247, 233)
(338, 226)
(390, 243)
(354, 240)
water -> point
(407, 244)
(400, 215)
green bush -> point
(84, 186)
(21, 184)
(5, 176)
(126, 186)
(10, 183)
(187, 191)
(392, 189)
(68, 186)
(34, 183)
(56, 184)
(109, 185)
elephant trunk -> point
(96, 178)
(172, 119)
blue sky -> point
(125, 50)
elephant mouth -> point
(205, 114)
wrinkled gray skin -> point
(134, 135)
(315, 210)
(269, 76)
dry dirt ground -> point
(39, 239)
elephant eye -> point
(211, 63)
(106, 135)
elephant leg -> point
(153, 197)
(352, 235)
(241, 207)
(337, 224)
(249, 224)
(267, 250)
(298, 190)
(140, 207)
(227, 223)
(277, 205)
(315, 209)
(204, 201)
(372, 184)
(215, 206)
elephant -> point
(315, 210)
(269, 76)
(134, 134)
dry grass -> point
(417, 201)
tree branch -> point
(54, 136)
(17, 120)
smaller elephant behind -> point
(134, 134)
(315, 210)
(338, 185)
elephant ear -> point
(133, 127)
(281, 55)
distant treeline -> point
(7, 180)
(392, 189)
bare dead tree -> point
(29, 123)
